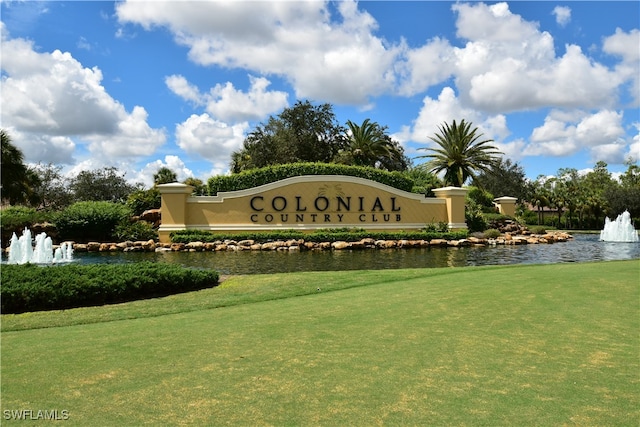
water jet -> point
(21, 250)
(620, 230)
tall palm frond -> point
(461, 153)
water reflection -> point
(582, 248)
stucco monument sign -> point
(308, 203)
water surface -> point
(582, 248)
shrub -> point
(142, 200)
(324, 235)
(474, 217)
(481, 197)
(35, 288)
(491, 233)
(85, 221)
(14, 219)
(138, 230)
(538, 230)
(256, 177)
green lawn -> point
(496, 346)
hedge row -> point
(35, 288)
(256, 177)
(328, 235)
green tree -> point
(369, 145)
(505, 178)
(16, 180)
(104, 184)
(424, 181)
(164, 176)
(302, 133)
(597, 182)
(461, 153)
(199, 187)
(539, 198)
(626, 194)
(631, 178)
(52, 189)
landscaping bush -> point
(538, 229)
(474, 217)
(142, 200)
(86, 221)
(325, 235)
(491, 233)
(256, 177)
(137, 230)
(14, 219)
(35, 288)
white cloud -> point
(510, 65)
(425, 66)
(52, 100)
(145, 175)
(601, 128)
(226, 103)
(625, 46)
(212, 139)
(323, 58)
(185, 90)
(562, 14)
(446, 108)
(634, 147)
(599, 133)
(43, 148)
(507, 64)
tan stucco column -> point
(455, 200)
(173, 208)
(506, 205)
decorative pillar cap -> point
(450, 191)
(505, 199)
(175, 188)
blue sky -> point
(141, 85)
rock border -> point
(302, 245)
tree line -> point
(311, 133)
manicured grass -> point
(510, 345)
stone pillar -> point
(455, 200)
(506, 205)
(173, 208)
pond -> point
(584, 247)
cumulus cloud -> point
(329, 58)
(226, 103)
(212, 139)
(601, 134)
(625, 46)
(562, 14)
(145, 174)
(54, 103)
(508, 64)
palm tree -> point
(17, 180)
(460, 153)
(164, 176)
(367, 143)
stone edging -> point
(300, 244)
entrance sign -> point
(309, 202)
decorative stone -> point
(340, 245)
